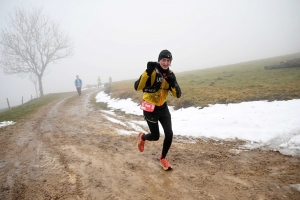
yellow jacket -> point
(156, 88)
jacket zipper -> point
(162, 92)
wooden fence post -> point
(7, 103)
(22, 100)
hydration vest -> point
(156, 85)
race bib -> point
(147, 106)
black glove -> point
(151, 67)
(171, 79)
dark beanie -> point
(165, 54)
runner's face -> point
(165, 63)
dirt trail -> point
(69, 150)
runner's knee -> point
(153, 137)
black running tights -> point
(154, 133)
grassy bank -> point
(247, 81)
(23, 111)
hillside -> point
(247, 81)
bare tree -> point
(30, 43)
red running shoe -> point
(165, 165)
(141, 143)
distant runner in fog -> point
(99, 82)
(78, 84)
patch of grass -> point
(124, 90)
(100, 105)
(23, 111)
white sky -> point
(117, 38)
(270, 125)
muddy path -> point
(70, 150)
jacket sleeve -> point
(176, 91)
(141, 82)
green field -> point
(20, 112)
(247, 81)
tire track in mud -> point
(37, 138)
(73, 155)
(53, 135)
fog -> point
(118, 38)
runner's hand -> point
(171, 79)
(151, 67)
